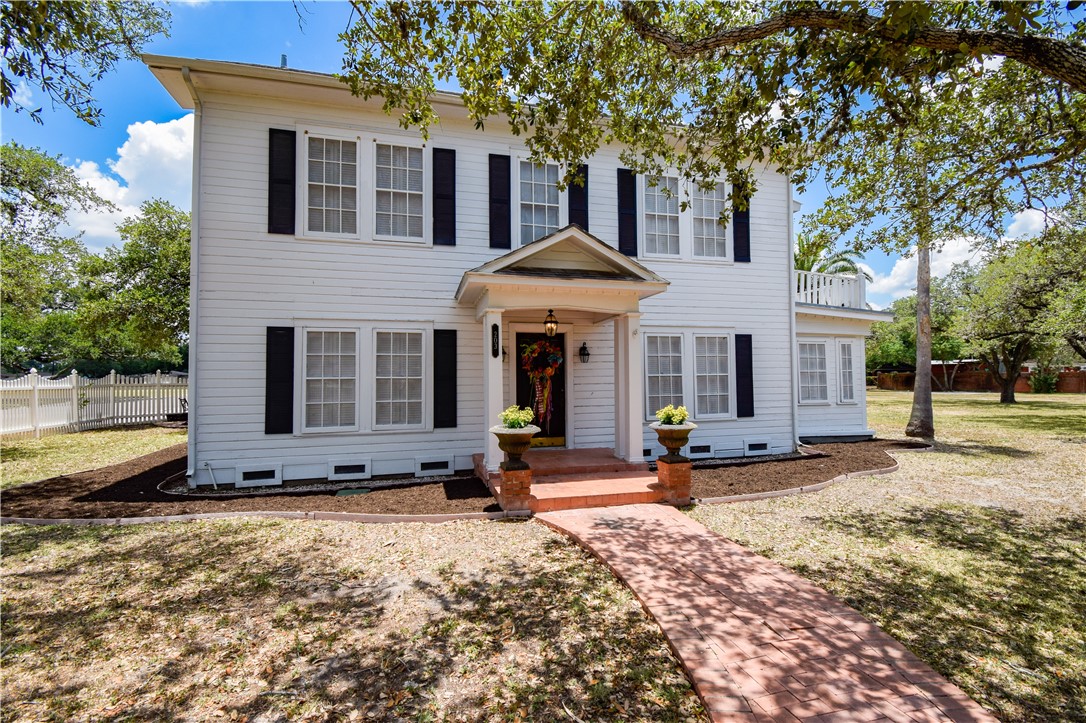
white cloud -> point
(901, 280)
(154, 162)
(1029, 222)
(22, 96)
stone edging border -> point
(328, 516)
(815, 487)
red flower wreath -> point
(541, 360)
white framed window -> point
(661, 216)
(707, 208)
(813, 382)
(847, 387)
(540, 206)
(663, 371)
(331, 189)
(399, 379)
(330, 389)
(399, 192)
(712, 375)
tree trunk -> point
(922, 420)
(1006, 391)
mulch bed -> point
(131, 489)
(834, 460)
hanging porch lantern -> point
(550, 324)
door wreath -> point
(541, 360)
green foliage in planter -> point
(671, 415)
(516, 418)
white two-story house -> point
(365, 302)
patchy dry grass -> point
(29, 460)
(973, 555)
(273, 620)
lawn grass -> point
(29, 460)
(973, 555)
(302, 620)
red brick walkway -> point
(759, 642)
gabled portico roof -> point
(570, 268)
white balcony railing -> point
(830, 290)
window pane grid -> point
(399, 191)
(664, 371)
(399, 378)
(812, 373)
(331, 374)
(538, 201)
(332, 175)
(710, 237)
(662, 216)
(848, 391)
(711, 375)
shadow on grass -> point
(972, 448)
(206, 608)
(990, 599)
(1047, 423)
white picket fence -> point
(34, 406)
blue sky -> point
(143, 147)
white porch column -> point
(492, 387)
(622, 402)
(629, 401)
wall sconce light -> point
(550, 324)
(584, 353)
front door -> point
(541, 385)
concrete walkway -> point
(759, 642)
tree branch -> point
(1059, 59)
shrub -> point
(517, 418)
(671, 415)
(1043, 382)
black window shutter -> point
(444, 378)
(444, 180)
(741, 230)
(627, 212)
(744, 376)
(279, 381)
(577, 196)
(281, 165)
(500, 210)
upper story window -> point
(710, 237)
(331, 376)
(539, 206)
(662, 216)
(332, 198)
(399, 191)
(812, 372)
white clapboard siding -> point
(33, 406)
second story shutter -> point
(741, 230)
(577, 197)
(627, 212)
(281, 170)
(444, 203)
(279, 380)
(744, 376)
(500, 209)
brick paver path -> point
(759, 642)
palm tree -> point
(817, 254)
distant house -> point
(365, 302)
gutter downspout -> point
(793, 341)
(194, 277)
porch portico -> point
(576, 275)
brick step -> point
(578, 491)
(562, 462)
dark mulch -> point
(131, 489)
(834, 460)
